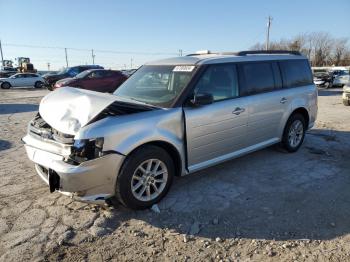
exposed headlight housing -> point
(86, 149)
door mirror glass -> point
(201, 99)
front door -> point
(215, 131)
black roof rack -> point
(267, 52)
(250, 52)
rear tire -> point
(346, 102)
(145, 177)
(38, 84)
(6, 85)
(294, 133)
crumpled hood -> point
(68, 109)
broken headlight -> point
(86, 149)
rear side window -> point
(257, 78)
(296, 73)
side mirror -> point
(201, 99)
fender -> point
(124, 134)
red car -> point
(99, 80)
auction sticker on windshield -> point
(183, 68)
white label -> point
(183, 68)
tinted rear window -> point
(257, 77)
(296, 73)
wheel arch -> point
(6, 82)
(170, 149)
(303, 111)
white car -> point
(22, 80)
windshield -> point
(64, 70)
(156, 85)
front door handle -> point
(238, 110)
(283, 100)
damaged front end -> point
(68, 162)
(77, 168)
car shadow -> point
(269, 194)
(17, 108)
(330, 92)
(4, 144)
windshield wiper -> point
(141, 103)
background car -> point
(22, 79)
(51, 79)
(100, 80)
(323, 79)
(346, 94)
(340, 77)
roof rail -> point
(201, 52)
(267, 52)
(244, 53)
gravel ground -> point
(266, 206)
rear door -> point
(216, 130)
(31, 79)
(107, 81)
(115, 80)
(261, 81)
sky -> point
(139, 31)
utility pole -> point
(268, 32)
(93, 56)
(65, 51)
(180, 52)
(2, 57)
(48, 66)
(131, 63)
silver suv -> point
(171, 118)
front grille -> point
(39, 127)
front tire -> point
(145, 177)
(346, 102)
(5, 85)
(294, 133)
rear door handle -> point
(238, 110)
(283, 100)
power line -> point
(89, 50)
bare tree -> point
(320, 47)
(340, 49)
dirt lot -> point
(266, 206)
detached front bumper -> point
(91, 181)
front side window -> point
(156, 85)
(17, 76)
(296, 73)
(258, 78)
(220, 81)
(96, 74)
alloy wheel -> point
(295, 134)
(149, 179)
